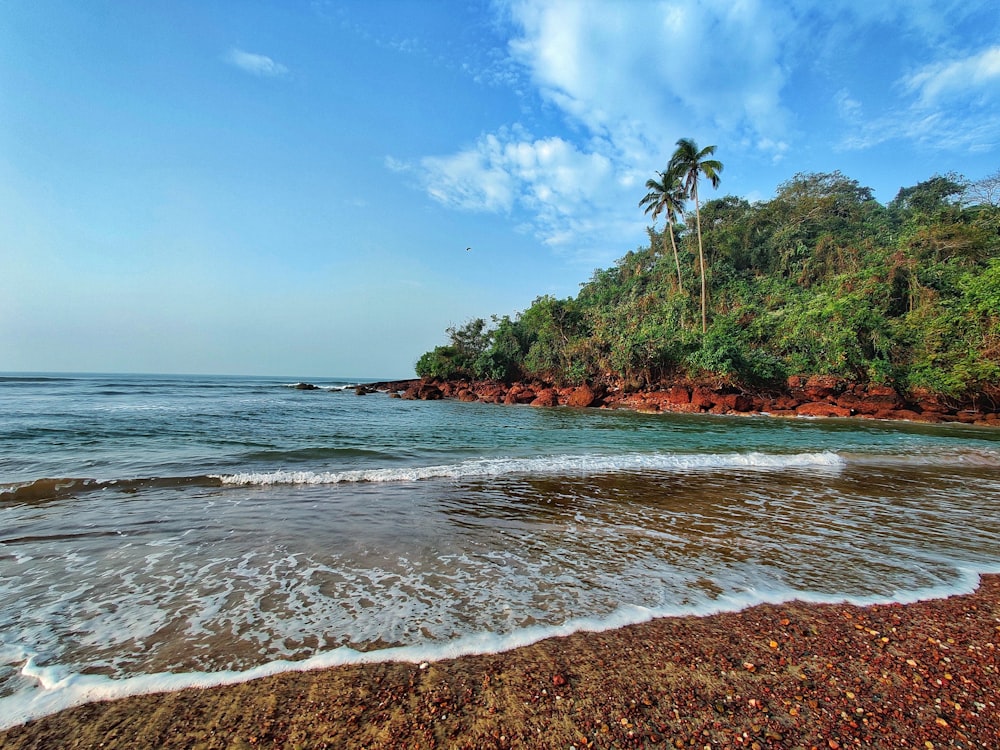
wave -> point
(955, 458)
(58, 688)
(552, 465)
(62, 487)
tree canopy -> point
(821, 279)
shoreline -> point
(816, 396)
(787, 675)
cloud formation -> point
(972, 77)
(627, 79)
(259, 65)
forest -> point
(822, 279)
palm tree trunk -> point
(701, 258)
(677, 258)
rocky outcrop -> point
(814, 396)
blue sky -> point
(289, 187)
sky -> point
(320, 189)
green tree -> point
(666, 196)
(689, 163)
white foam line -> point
(60, 689)
(548, 465)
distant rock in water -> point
(305, 387)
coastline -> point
(801, 396)
(924, 675)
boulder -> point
(703, 398)
(305, 387)
(546, 397)
(928, 402)
(735, 402)
(782, 403)
(821, 409)
(582, 396)
(430, 393)
(491, 393)
(821, 387)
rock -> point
(703, 398)
(820, 387)
(735, 402)
(305, 387)
(582, 397)
(783, 403)
(430, 393)
(678, 394)
(928, 402)
(466, 395)
(820, 409)
(491, 393)
(546, 397)
(423, 392)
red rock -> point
(678, 394)
(820, 387)
(466, 395)
(820, 409)
(582, 397)
(703, 398)
(928, 402)
(735, 402)
(546, 397)
(492, 394)
(784, 403)
(683, 408)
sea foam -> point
(58, 688)
(548, 465)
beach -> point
(921, 675)
(243, 563)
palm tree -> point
(667, 196)
(688, 163)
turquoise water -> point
(157, 532)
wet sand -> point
(924, 675)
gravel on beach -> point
(923, 675)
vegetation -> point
(821, 279)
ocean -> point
(160, 532)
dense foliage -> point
(821, 279)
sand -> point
(924, 675)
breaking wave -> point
(549, 465)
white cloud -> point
(683, 67)
(630, 79)
(953, 104)
(550, 177)
(966, 78)
(260, 65)
(849, 108)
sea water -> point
(169, 531)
